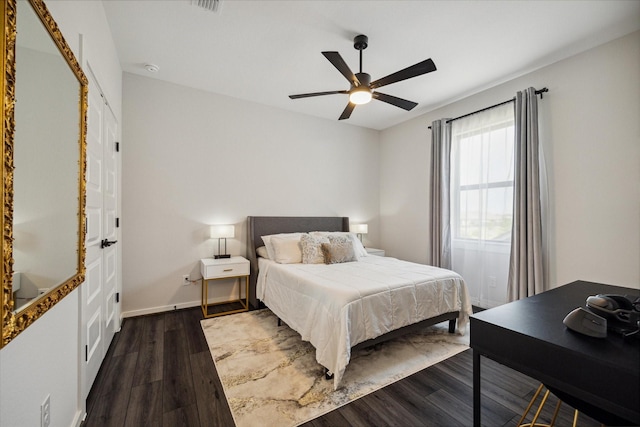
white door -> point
(110, 232)
(100, 313)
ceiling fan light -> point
(360, 96)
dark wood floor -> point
(159, 372)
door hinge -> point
(117, 297)
(86, 353)
(117, 147)
(117, 222)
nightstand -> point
(374, 251)
(236, 267)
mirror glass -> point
(43, 166)
(45, 158)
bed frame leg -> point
(327, 376)
(279, 322)
(452, 326)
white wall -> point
(590, 135)
(44, 359)
(192, 158)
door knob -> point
(106, 243)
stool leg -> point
(544, 400)
(555, 413)
(533, 399)
(575, 418)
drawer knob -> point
(227, 269)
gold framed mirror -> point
(43, 166)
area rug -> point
(271, 378)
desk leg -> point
(477, 409)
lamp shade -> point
(222, 231)
(359, 228)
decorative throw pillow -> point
(338, 250)
(340, 239)
(358, 248)
(287, 250)
(269, 246)
(311, 249)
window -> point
(481, 194)
(482, 177)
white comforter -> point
(338, 306)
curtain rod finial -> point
(541, 92)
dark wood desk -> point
(529, 336)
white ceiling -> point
(263, 51)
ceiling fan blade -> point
(418, 69)
(393, 100)
(307, 95)
(347, 111)
(338, 62)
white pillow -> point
(269, 246)
(358, 248)
(312, 249)
(287, 250)
(262, 252)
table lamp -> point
(359, 229)
(222, 232)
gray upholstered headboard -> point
(258, 226)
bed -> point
(347, 305)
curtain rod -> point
(538, 92)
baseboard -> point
(79, 418)
(161, 309)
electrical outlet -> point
(45, 412)
(186, 281)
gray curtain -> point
(525, 268)
(440, 171)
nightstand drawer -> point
(218, 268)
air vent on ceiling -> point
(211, 5)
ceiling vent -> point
(210, 5)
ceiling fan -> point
(362, 87)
